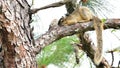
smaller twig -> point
(119, 64)
(112, 58)
(76, 53)
(57, 4)
(112, 54)
(77, 47)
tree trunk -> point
(16, 41)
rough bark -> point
(16, 38)
(58, 32)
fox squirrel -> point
(81, 15)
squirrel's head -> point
(61, 22)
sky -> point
(44, 17)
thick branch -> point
(59, 32)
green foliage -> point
(103, 20)
(57, 52)
(113, 30)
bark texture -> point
(16, 38)
(56, 32)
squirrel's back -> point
(81, 14)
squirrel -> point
(81, 15)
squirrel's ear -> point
(60, 21)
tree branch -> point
(57, 4)
(58, 32)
